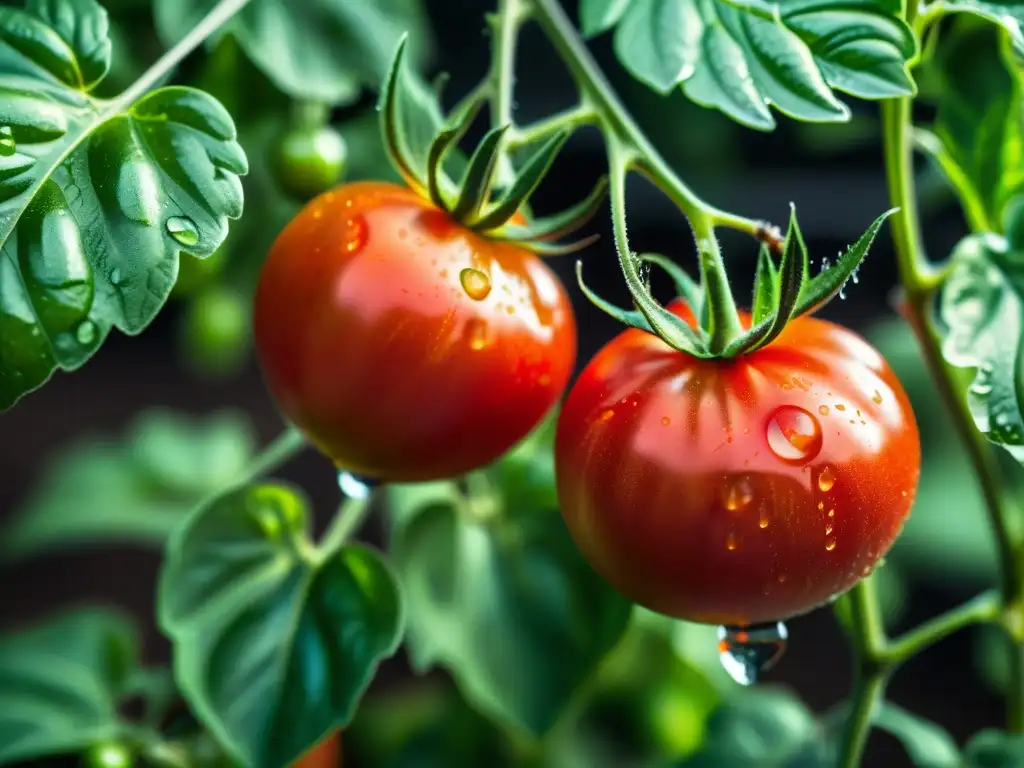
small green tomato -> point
(216, 331)
(108, 754)
(308, 161)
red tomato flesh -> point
(404, 345)
(737, 492)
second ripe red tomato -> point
(737, 492)
(404, 345)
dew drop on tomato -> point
(793, 434)
(738, 494)
(827, 479)
(747, 652)
(476, 334)
(355, 234)
(475, 283)
(355, 486)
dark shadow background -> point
(838, 191)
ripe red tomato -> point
(326, 754)
(407, 347)
(737, 492)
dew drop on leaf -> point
(356, 486)
(826, 479)
(86, 332)
(746, 652)
(7, 144)
(793, 434)
(115, 277)
(183, 230)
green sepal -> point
(825, 286)
(536, 232)
(479, 178)
(792, 276)
(687, 288)
(525, 184)
(766, 287)
(631, 317)
(559, 249)
(438, 184)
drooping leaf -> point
(927, 744)
(982, 306)
(743, 55)
(979, 124)
(137, 490)
(275, 639)
(994, 749)
(1008, 14)
(97, 198)
(326, 50)
(499, 594)
(60, 682)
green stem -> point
(505, 25)
(210, 23)
(280, 450)
(983, 609)
(868, 689)
(350, 515)
(1015, 696)
(569, 119)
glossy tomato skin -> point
(407, 347)
(737, 492)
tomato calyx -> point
(422, 143)
(781, 294)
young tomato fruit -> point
(737, 492)
(406, 346)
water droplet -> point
(738, 495)
(877, 398)
(831, 513)
(544, 379)
(730, 541)
(85, 333)
(746, 652)
(793, 434)
(842, 291)
(830, 544)
(115, 277)
(762, 521)
(840, 407)
(183, 230)
(7, 144)
(855, 275)
(821, 506)
(828, 530)
(665, 420)
(356, 235)
(476, 334)
(825, 263)
(826, 479)
(475, 283)
(318, 213)
(606, 415)
(355, 486)
(823, 410)
(783, 577)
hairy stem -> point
(217, 17)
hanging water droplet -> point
(7, 144)
(355, 486)
(737, 495)
(855, 275)
(746, 652)
(183, 230)
(793, 434)
(842, 291)
(475, 283)
(825, 263)
(826, 479)
(476, 334)
(85, 333)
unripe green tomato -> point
(308, 161)
(216, 331)
(108, 754)
(195, 273)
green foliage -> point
(927, 745)
(979, 126)
(97, 198)
(743, 55)
(135, 490)
(498, 592)
(326, 50)
(994, 749)
(275, 639)
(60, 683)
(983, 308)
(216, 331)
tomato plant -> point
(602, 559)
(737, 492)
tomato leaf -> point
(260, 615)
(499, 594)
(978, 136)
(982, 305)
(326, 50)
(742, 55)
(597, 16)
(994, 749)
(928, 745)
(60, 682)
(97, 198)
(827, 284)
(766, 286)
(135, 490)
(1008, 14)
